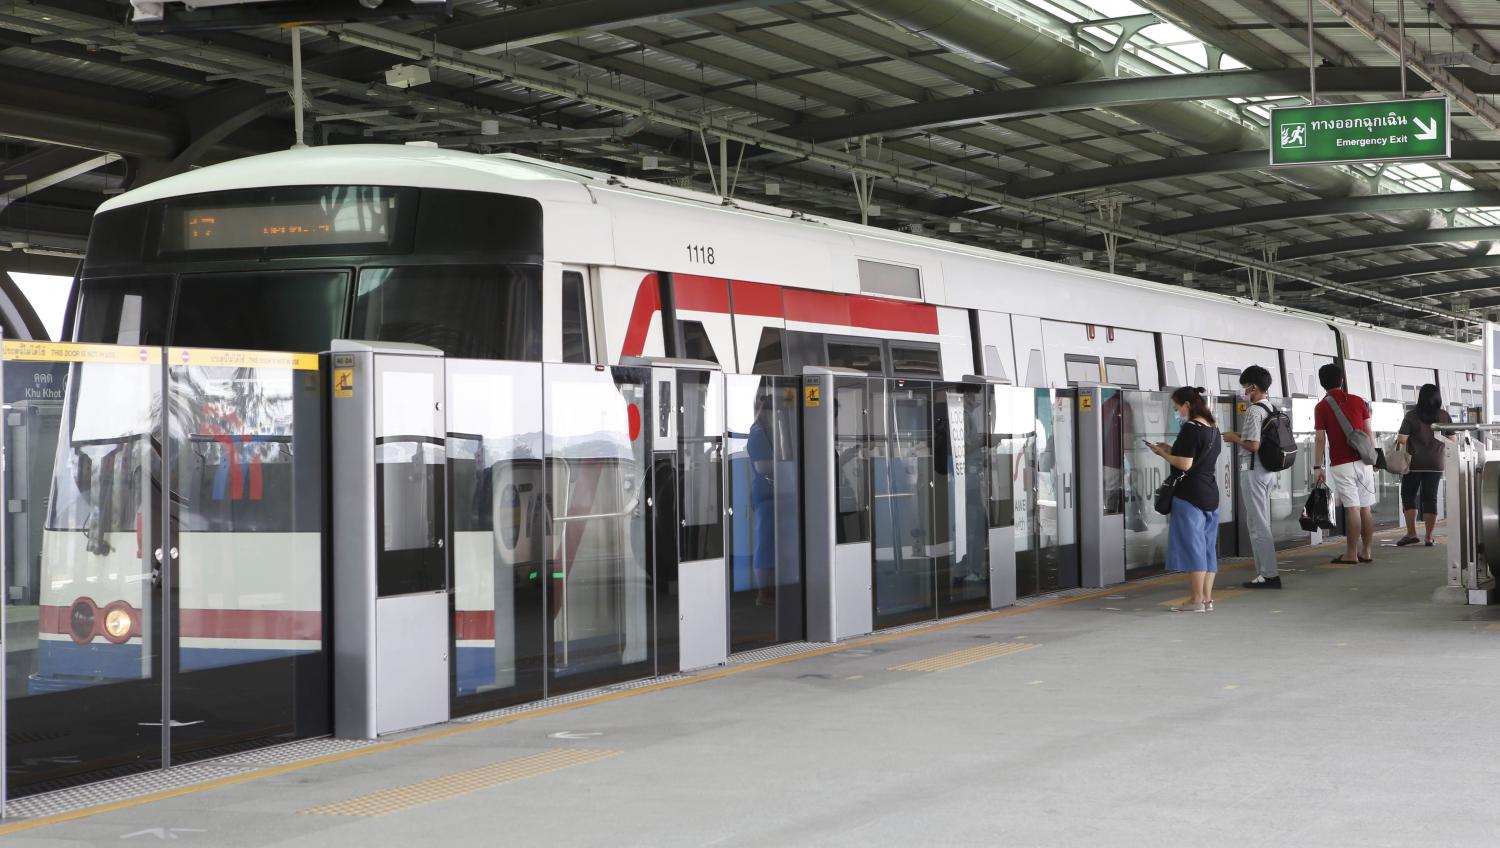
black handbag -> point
(1166, 491)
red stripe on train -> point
(693, 293)
(306, 625)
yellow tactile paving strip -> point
(460, 783)
(965, 656)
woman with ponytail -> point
(1419, 485)
(1193, 534)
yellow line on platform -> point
(965, 656)
(448, 786)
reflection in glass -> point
(961, 509)
(499, 532)
(1046, 514)
(247, 595)
(1147, 417)
(599, 597)
(82, 661)
(765, 562)
(851, 438)
(901, 466)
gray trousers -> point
(1255, 494)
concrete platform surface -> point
(1344, 710)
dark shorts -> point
(1419, 490)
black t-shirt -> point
(1199, 486)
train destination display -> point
(278, 225)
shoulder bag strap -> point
(1339, 413)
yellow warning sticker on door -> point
(812, 395)
(1241, 407)
(1085, 403)
(343, 382)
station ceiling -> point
(1066, 129)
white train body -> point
(748, 283)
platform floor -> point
(1344, 710)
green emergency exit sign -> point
(1360, 132)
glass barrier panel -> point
(1385, 420)
(852, 399)
(701, 441)
(498, 531)
(1111, 428)
(599, 601)
(765, 559)
(1147, 418)
(963, 557)
(250, 660)
(1294, 484)
(1046, 544)
(902, 470)
(1002, 446)
(1224, 421)
(83, 671)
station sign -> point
(1335, 133)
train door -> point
(903, 488)
(764, 510)
(1046, 514)
(930, 555)
(600, 577)
(181, 604)
(897, 511)
(688, 505)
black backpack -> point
(1278, 447)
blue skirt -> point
(1192, 538)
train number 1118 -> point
(700, 254)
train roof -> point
(962, 275)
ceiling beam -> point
(1398, 238)
(547, 21)
(1196, 166)
(1321, 208)
(1106, 94)
(1416, 269)
(45, 168)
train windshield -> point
(253, 310)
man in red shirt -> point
(1353, 481)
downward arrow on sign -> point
(1428, 130)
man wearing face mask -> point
(1256, 482)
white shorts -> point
(1353, 483)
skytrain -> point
(508, 258)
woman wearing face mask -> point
(1193, 534)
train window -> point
(914, 361)
(768, 355)
(470, 312)
(1409, 394)
(125, 310)
(261, 310)
(1081, 369)
(860, 356)
(1229, 381)
(695, 341)
(886, 279)
(575, 319)
(1122, 373)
